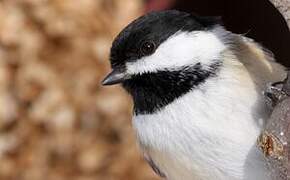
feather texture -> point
(211, 131)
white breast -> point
(209, 133)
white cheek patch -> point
(182, 49)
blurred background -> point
(56, 121)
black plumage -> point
(152, 91)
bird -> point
(197, 90)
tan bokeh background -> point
(56, 121)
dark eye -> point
(148, 48)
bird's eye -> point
(148, 48)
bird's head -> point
(162, 55)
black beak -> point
(115, 77)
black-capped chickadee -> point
(197, 91)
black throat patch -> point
(153, 91)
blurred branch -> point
(155, 5)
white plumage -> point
(210, 132)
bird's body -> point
(211, 132)
(198, 103)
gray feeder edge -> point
(284, 7)
(274, 141)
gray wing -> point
(153, 165)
